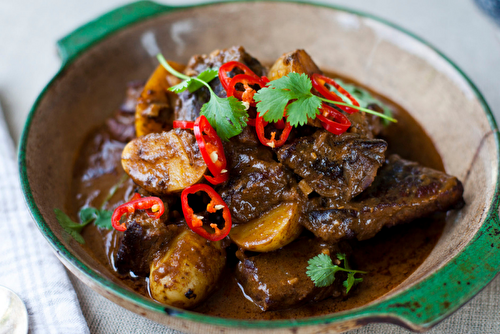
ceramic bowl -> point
(100, 57)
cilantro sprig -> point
(295, 90)
(227, 116)
(322, 271)
(87, 215)
(363, 96)
(273, 99)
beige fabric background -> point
(29, 30)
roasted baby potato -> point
(188, 271)
(296, 61)
(164, 163)
(155, 106)
(271, 231)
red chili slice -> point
(333, 120)
(136, 196)
(222, 177)
(251, 121)
(154, 205)
(260, 124)
(319, 82)
(210, 145)
(228, 67)
(183, 124)
(247, 81)
(195, 222)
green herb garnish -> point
(322, 271)
(100, 217)
(192, 84)
(70, 226)
(295, 90)
(363, 96)
(227, 116)
(274, 98)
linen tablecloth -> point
(28, 265)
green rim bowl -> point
(99, 58)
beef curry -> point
(317, 193)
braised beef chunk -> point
(103, 154)
(199, 63)
(122, 125)
(134, 89)
(278, 280)
(366, 125)
(402, 191)
(256, 183)
(189, 104)
(340, 167)
(140, 242)
(375, 123)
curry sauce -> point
(388, 258)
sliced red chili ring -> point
(251, 121)
(210, 146)
(247, 81)
(153, 205)
(319, 82)
(222, 177)
(195, 222)
(136, 196)
(260, 124)
(183, 124)
(333, 120)
(280, 125)
(228, 67)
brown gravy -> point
(389, 258)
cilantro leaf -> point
(271, 101)
(192, 84)
(363, 96)
(180, 87)
(322, 271)
(301, 109)
(294, 87)
(103, 219)
(227, 116)
(351, 281)
(70, 226)
(88, 214)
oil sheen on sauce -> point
(389, 258)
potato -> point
(155, 107)
(164, 163)
(188, 271)
(296, 61)
(273, 230)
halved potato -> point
(273, 230)
(155, 106)
(296, 61)
(188, 271)
(164, 163)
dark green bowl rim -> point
(418, 307)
